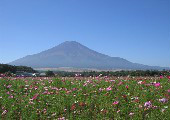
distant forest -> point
(4, 68)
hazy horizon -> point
(138, 31)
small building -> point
(42, 74)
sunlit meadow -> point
(90, 98)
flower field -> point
(85, 98)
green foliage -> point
(9, 68)
(49, 73)
(9, 74)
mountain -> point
(74, 55)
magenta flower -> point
(168, 90)
(108, 89)
(35, 97)
(157, 84)
(161, 77)
(74, 89)
(115, 103)
(35, 88)
(168, 77)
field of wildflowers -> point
(78, 98)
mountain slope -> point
(73, 54)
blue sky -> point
(137, 30)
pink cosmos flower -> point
(36, 87)
(163, 100)
(168, 90)
(62, 118)
(100, 89)
(161, 77)
(11, 96)
(168, 77)
(148, 104)
(140, 82)
(108, 89)
(157, 84)
(120, 83)
(130, 114)
(118, 111)
(115, 103)
(85, 84)
(35, 97)
(74, 89)
(9, 86)
(4, 112)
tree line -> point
(4, 68)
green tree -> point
(49, 73)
